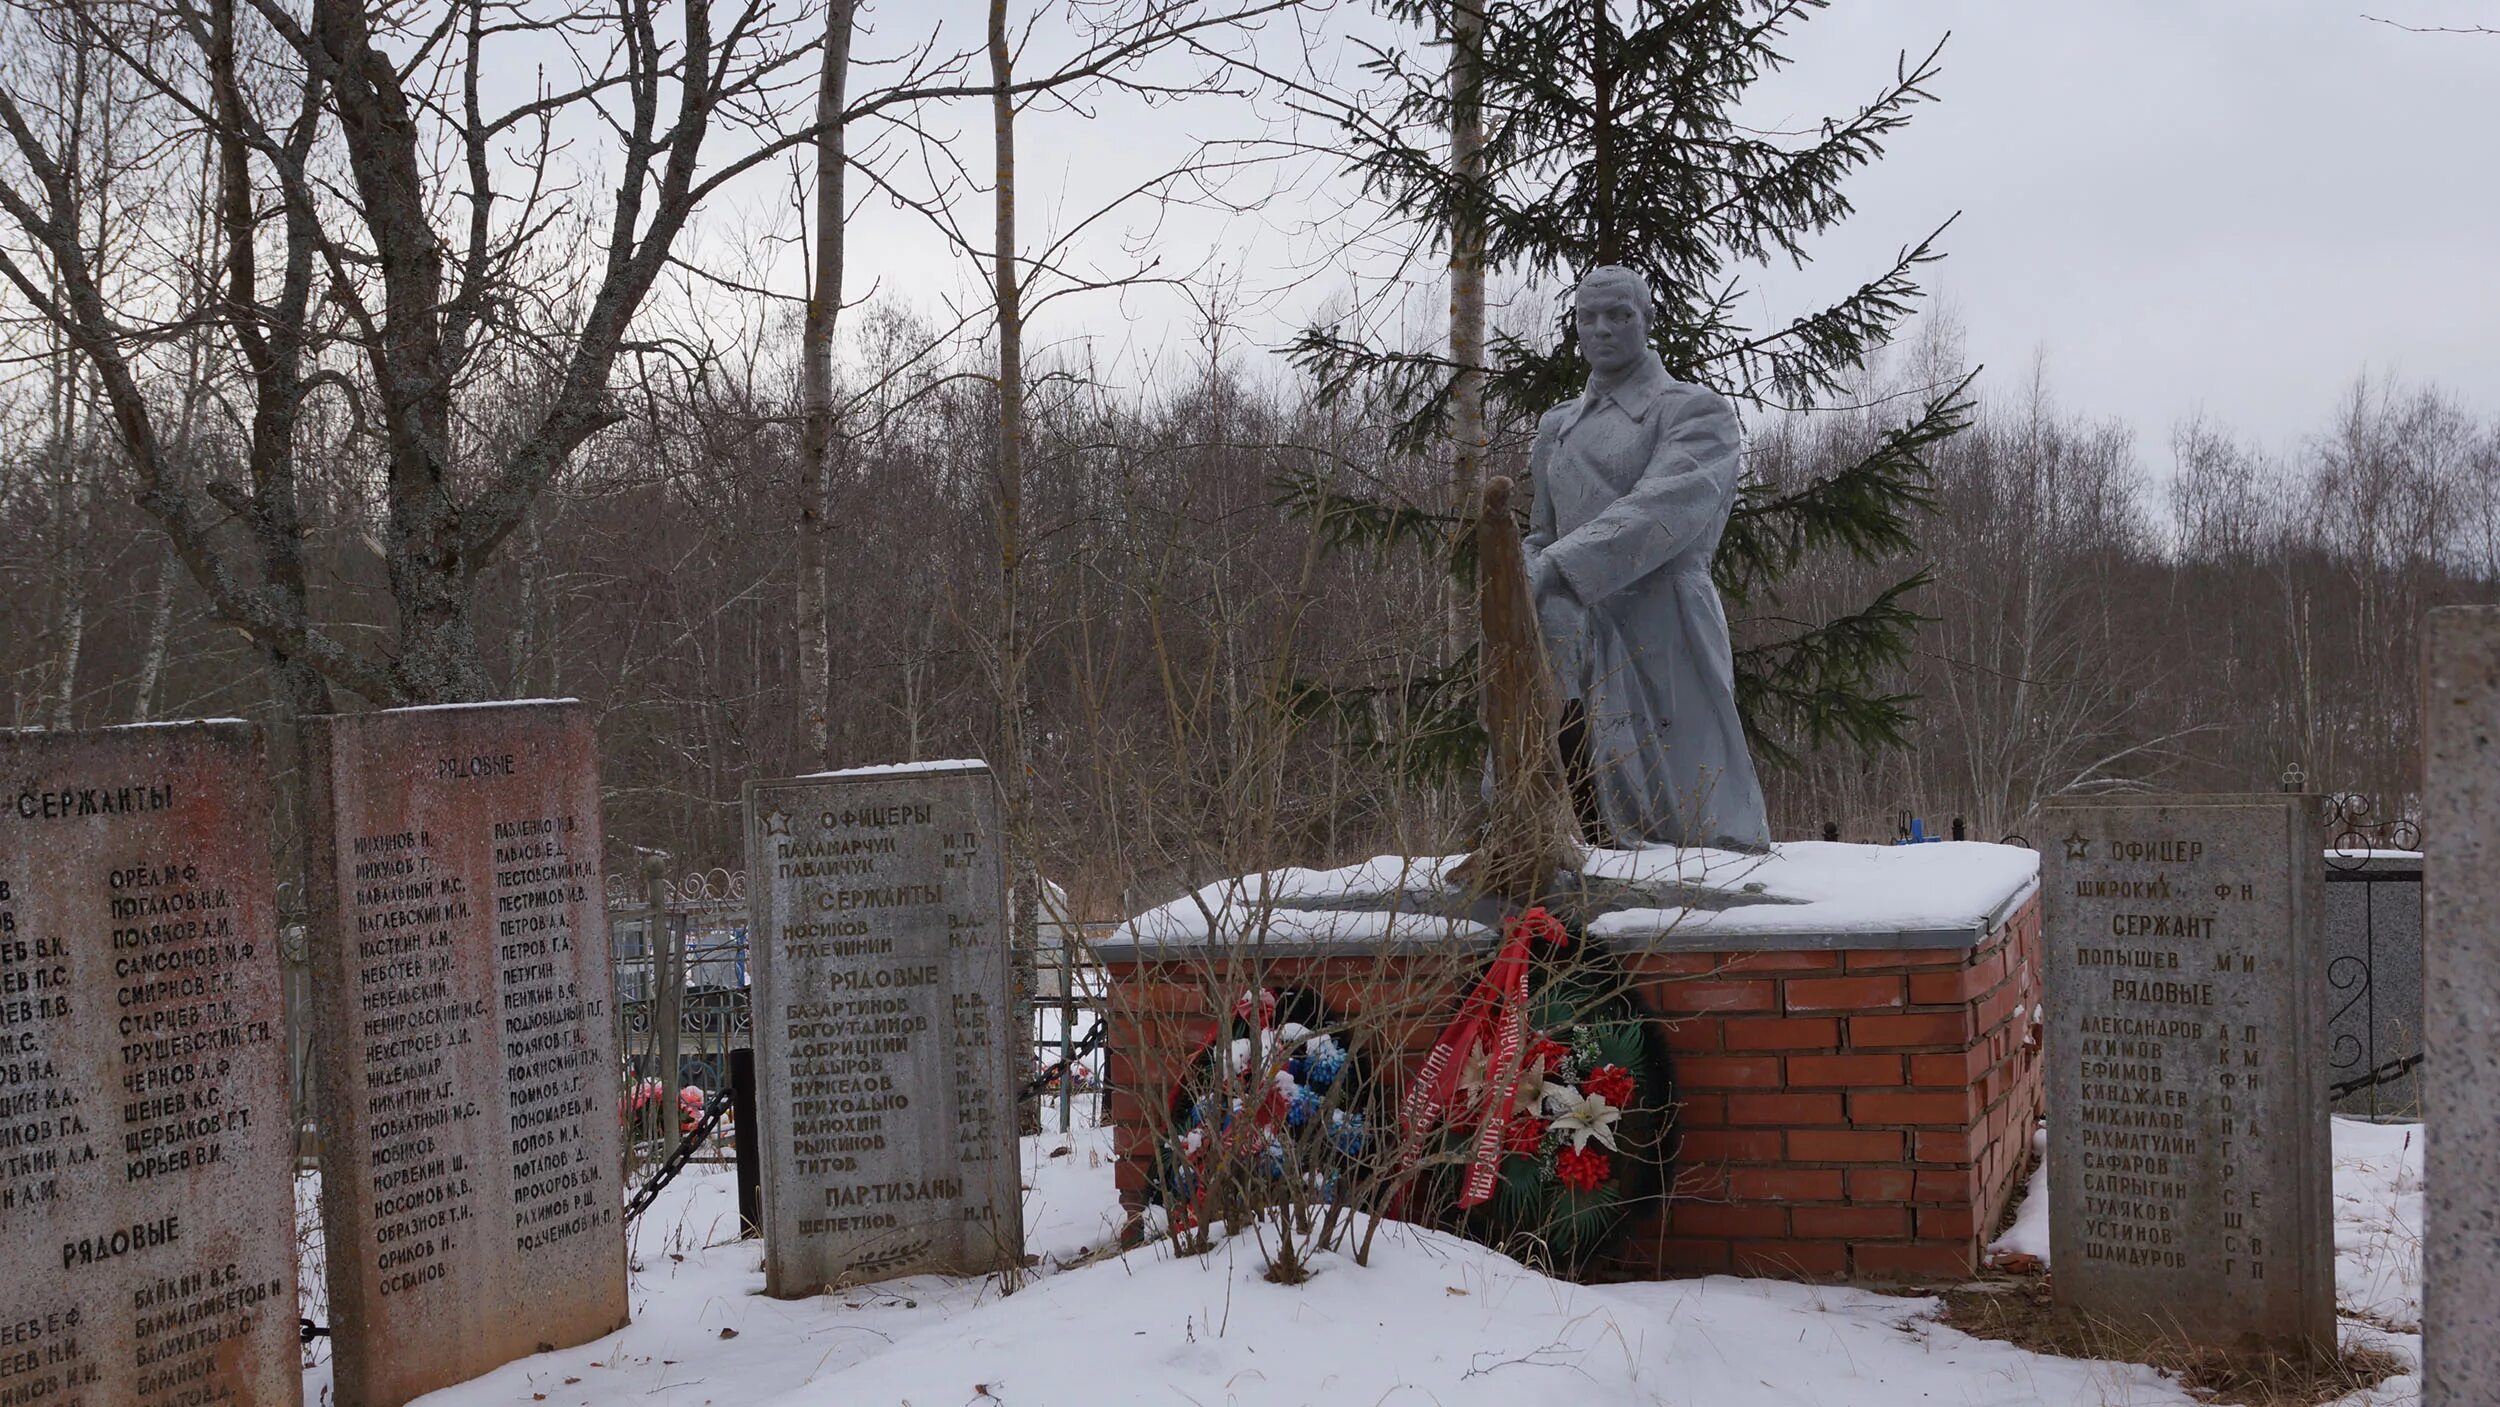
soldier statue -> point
(1633, 484)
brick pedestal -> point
(1848, 1111)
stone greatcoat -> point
(1633, 488)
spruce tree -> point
(1611, 136)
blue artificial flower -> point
(1323, 1060)
(1298, 1067)
(1346, 1133)
(1301, 1107)
(1272, 1159)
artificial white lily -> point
(1580, 1117)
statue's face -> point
(1614, 330)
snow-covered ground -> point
(1433, 1320)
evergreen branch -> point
(1811, 356)
(1822, 683)
(1865, 509)
(1376, 524)
(1412, 388)
(1781, 195)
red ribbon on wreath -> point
(1492, 1020)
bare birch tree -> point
(816, 443)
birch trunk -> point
(160, 634)
(71, 459)
(1014, 711)
(1467, 428)
(816, 447)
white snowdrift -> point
(1432, 1320)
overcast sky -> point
(2225, 205)
(2193, 203)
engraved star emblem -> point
(777, 822)
(2077, 846)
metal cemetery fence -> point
(2374, 962)
(295, 969)
(680, 949)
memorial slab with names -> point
(147, 1200)
(2189, 1162)
(471, 1151)
(882, 1028)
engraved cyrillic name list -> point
(2134, 1111)
(872, 1036)
(483, 1131)
(2168, 1056)
(866, 922)
(550, 1064)
(177, 959)
(415, 1021)
(43, 1127)
(139, 1069)
(2172, 971)
(985, 1139)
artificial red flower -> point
(1582, 1169)
(1526, 1134)
(1611, 1083)
(1545, 1054)
(1541, 927)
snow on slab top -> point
(1803, 894)
(899, 769)
(481, 703)
(126, 727)
(180, 723)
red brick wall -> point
(1862, 1114)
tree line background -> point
(2198, 617)
(682, 496)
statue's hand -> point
(1560, 616)
(1545, 578)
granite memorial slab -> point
(471, 1154)
(2461, 1008)
(147, 1202)
(2189, 1161)
(882, 1030)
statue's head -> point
(1611, 309)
